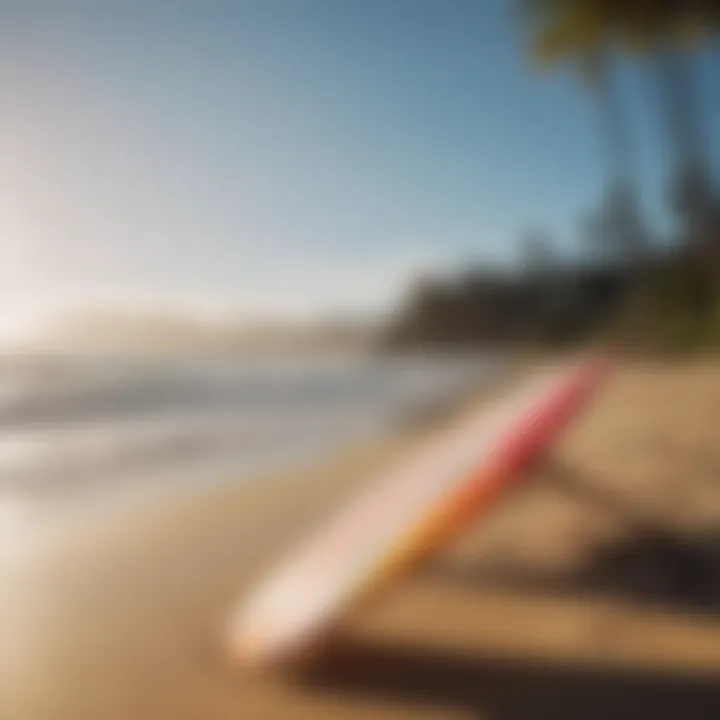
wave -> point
(80, 423)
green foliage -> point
(676, 307)
(676, 304)
(671, 305)
(564, 29)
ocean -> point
(73, 426)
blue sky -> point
(280, 156)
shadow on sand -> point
(651, 565)
(495, 688)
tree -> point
(583, 32)
(563, 30)
(538, 256)
(664, 29)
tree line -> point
(632, 284)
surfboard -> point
(404, 515)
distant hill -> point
(110, 332)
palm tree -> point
(563, 30)
(537, 254)
(663, 28)
(582, 31)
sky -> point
(288, 157)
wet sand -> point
(588, 593)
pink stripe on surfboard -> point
(317, 582)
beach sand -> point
(585, 594)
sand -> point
(587, 593)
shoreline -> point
(126, 621)
(161, 495)
(55, 456)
